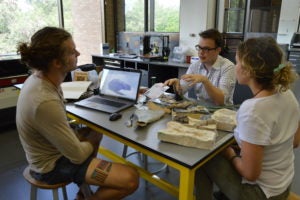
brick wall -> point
(87, 28)
(114, 21)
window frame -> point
(149, 17)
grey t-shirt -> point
(43, 127)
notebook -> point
(118, 90)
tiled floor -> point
(14, 187)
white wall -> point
(288, 21)
(195, 16)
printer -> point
(295, 41)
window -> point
(152, 15)
(166, 18)
(134, 15)
(20, 19)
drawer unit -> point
(12, 72)
(112, 62)
(8, 102)
(12, 80)
(294, 58)
(8, 97)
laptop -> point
(118, 90)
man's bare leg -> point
(116, 180)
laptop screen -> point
(121, 83)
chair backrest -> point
(241, 93)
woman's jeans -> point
(221, 172)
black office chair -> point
(241, 93)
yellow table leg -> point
(186, 185)
(161, 183)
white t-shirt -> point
(271, 122)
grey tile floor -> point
(14, 187)
(13, 161)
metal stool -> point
(144, 159)
(35, 184)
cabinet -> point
(242, 19)
(231, 15)
(294, 58)
(11, 72)
(262, 16)
(248, 16)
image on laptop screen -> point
(119, 83)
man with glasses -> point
(212, 77)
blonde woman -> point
(262, 165)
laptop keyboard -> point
(107, 102)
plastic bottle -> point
(153, 80)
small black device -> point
(114, 116)
(149, 41)
(295, 41)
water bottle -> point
(153, 80)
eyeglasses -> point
(204, 49)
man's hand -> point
(192, 79)
(89, 135)
(176, 85)
(172, 81)
(94, 138)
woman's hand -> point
(297, 137)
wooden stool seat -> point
(293, 196)
(35, 184)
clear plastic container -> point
(178, 55)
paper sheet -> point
(74, 89)
(156, 90)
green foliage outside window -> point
(20, 19)
(134, 15)
(166, 17)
